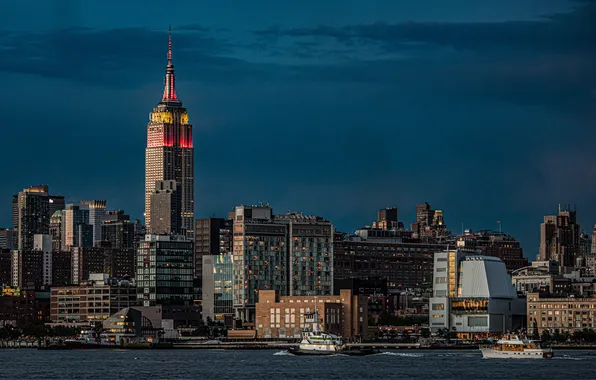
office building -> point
(170, 155)
(76, 230)
(33, 209)
(217, 277)
(287, 316)
(387, 219)
(97, 212)
(165, 208)
(165, 271)
(473, 295)
(9, 238)
(213, 236)
(559, 237)
(117, 230)
(94, 300)
(27, 269)
(62, 270)
(430, 223)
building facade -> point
(33, 210)
(286, 316)
(165, 208)
(213, 236)
(559, 238)
(562, 314)
(170, 153)
(117, 230)
(473, 295)
(165, 270)
(218, 300)
(496, 244)
(97, 212)
(94, 300)
(76, 230)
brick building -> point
(567, 314)
(283, 316)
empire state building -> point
(169, 163)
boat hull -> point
(303, 352)
(489, 353)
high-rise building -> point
(165, 208)
(56, 203)
(76, 230)
(9, 238)
(33, 207)
(210, 233)
(387, 219)
(290, 253)
(97, 211)
(117, 230)
(56, 230)
(559, 237)
(164, 271)
(170, 154)
(496, 244)
(429, 223)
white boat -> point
(514, 347)
(316, 342)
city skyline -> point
(314, 132)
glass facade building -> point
(164, 271)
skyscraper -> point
(33, 209)
(97, 211)
(170, 154)
(559, 237)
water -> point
(271, 365)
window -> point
(477, 321)
(441, 269)
(440, 293)
(440, 280)
(438, 306)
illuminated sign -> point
(11, 292)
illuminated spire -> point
(169, 91)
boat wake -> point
(283, 353)
(566, 357)
(405, 354)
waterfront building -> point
(217, 277)
(94, 300)
(473, 295)
(213, 236)
(284, 316)
(170, 153)
(165, 270)
(19, 308)
(563, 314)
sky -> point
(484, 109)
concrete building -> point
(165, 208)
(559, 238)
(27, 269)
(62, 273)
(562, 314)
(170, 154)
(43, 243)
(473, 295)
(284, 316)
(97, 212)
(165, 270)
(94, 300)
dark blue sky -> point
(485, 109)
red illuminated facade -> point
(170, 153)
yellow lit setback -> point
(162, 117)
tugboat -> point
(317, 343)
(514, 347)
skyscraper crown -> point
(169, 91)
